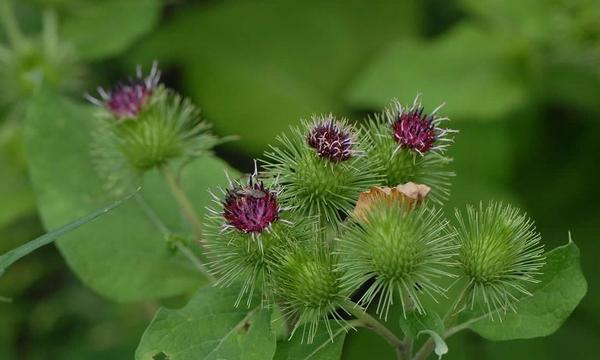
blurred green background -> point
(521, 80)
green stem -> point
(184, 204)
(187, 252)
(462, 326)
(368, 321)
(167, 234)
(449, 318)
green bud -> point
(322, 168)
(410, 147)
(245, 228)
(309, 286)
(237, 257)
(500, 253)
(166, 128)
(404, 249)
(28, 63)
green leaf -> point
(122, 256)
(101, 29)
(274, 66)
(414, 323)
(429, 323)
(323, 346)
(209, 327)
(466, 68)
(10, 257)
(15, 192)
(561, 288)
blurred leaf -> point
(122, 256)
(556, 22)
(262, 65)
(101, 29)
(527, 17)
(15, 192)
(209, 327)
(484, 161)
(10, 257)
(323, 346)
(561, 288)
(466, 68)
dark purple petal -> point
(251, 208)
(126, 100)
(331, 141)
(415, 131)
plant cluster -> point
(338, 221)
(341, 217)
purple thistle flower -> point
(126, 100)
(330, 140)
(251, 208)
(415, 131)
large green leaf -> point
(561, 288)
(10, 257)
(209, 327)
(257, 66)
(465, 68)
(100, 29)
(15, 192)
(323, 347)
(122, 256)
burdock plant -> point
(347, 218)
(341, 220)
(142, 126)
(343, 227)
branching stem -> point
(368, 321)
(449, 318)
(187, 209)
(167, 234)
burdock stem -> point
(368, 321)
(167, 234)
(449, 319)
(187, 209)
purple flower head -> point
(330, 140)
(126, 100)
(414, 130)
(251, 208)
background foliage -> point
(522, 83)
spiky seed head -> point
(127, 99)
(405, 250)
(312, 182)
(330, 140)
(309, 286)
(252, 208)
(500, 253)
(31, 62)
(410, 147)
(167, 127)
(244, 228)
